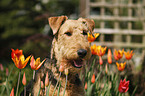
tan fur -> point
(63, 52)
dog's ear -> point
(90, 23)
(55, 23)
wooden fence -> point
(120, 22)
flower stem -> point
(18, 83)
(47, 91)
(33, 74)
(39, 89)
(24, 90)
(56, 85)
(65, 86)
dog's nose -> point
(82, 53)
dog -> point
(70, 49)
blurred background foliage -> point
(24, 25)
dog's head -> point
(70, 46)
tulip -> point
(16, 53)
(12, 92)
(42, 84)
(91, 37)
(109, 56)
(128, 55)
(98, 50)
(19, 59)
(121, 66)
(24, 79)
(66, 71)
(115, 56)
(123, 86)
(100, 60)
(101, 50)
(61, 68)
(1, 67)
(118, 54)
(35, 65)
(46, 80)
(21, 62)
(93, 78)
(86, 86)
(24, 83)
(93, 49)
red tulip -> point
(16, 53)
(123, 86)
(19, 59)
(93, 78)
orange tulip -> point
(98, 50)
(24, 79)
(121, 66)
(93, 78)
(118, 54)
(128, 55)
(42, 84)
(46, 80)
(12, 92)
(61, 68)
(35, 65)
(100, 60)
(91, 37)
(19, 59)
(109, 56)
(101, 50)
(93, 49)
(86, 85)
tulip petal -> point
(40, 64)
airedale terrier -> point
(70, 49)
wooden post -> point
(128, 38)
(117, 37)
(84, 8)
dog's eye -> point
(84, 32)
(68, 33)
